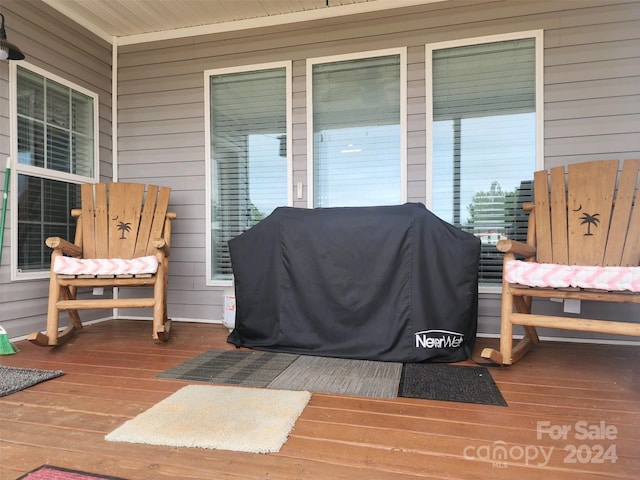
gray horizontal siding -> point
(592, 97)
(592, 85)
(59, 46)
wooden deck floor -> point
(592, 391)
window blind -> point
(55, 125)
(55, 128)
(44, 208)
(484, 138)
(356, 132)
(248, 155)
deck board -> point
(110, 377)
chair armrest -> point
(161, 244)
(64, 246)
(517, 248)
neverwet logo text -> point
(430, 339)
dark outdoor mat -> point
(47, 472)
(286, 371)
(452, 383)
(13, 379)
(232, 367)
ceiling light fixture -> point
(7, 49)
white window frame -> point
(402, 52)
(40, 172)
(209, 281)
(538, 35)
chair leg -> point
(69, 293)
(523, 305)
(503, 356)
(508, 354)
(50, 339)
(164, 335)
(53, 314)
(523, 346)
(161, 324)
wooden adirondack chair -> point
(583, 242)
(122, 240)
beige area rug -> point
(253, 420)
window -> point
(248, 156)
(484, 138)
(56, 125)
(356, 130)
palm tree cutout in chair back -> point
(589, 220)
(123, 227)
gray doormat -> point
(361, 378)
(13, 379)
(291, 372)
(452, 383)
(232, 367)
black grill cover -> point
(393, 283)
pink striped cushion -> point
(105, 266)
(559, 276)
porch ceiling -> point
(132, 21)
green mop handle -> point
(7, 172)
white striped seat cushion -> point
(560, 276)
(105, 266)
